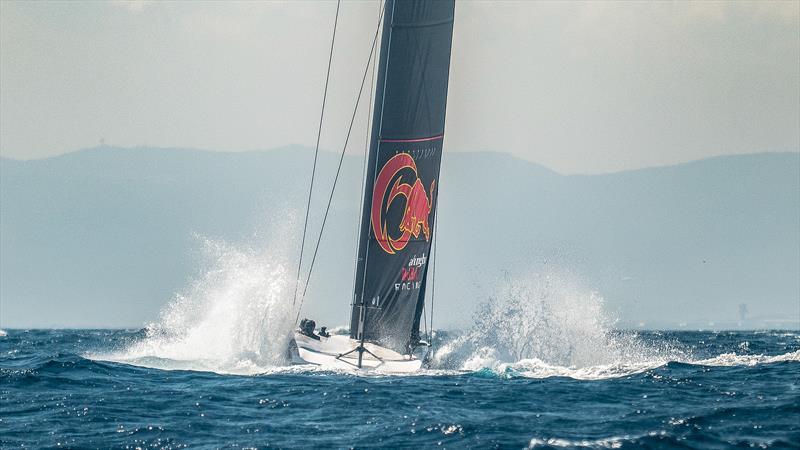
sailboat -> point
(400, 193)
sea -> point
(643, 389)
(542, 362)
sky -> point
(587, 87)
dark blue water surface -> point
(52, 395)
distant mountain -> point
(105, 236)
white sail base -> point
(341, 352)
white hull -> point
(333, 352)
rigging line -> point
(339, 168)
(433, 282)
(316, 153)
(425, 321)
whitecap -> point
(732, 359)
(610, 442)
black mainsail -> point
(402, 172)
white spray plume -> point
(548, 324)
(237, 317)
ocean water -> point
(135, 389)
(542, 365)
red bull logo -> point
(418, 204)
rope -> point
(433, 286)
(425, 322)
(316, 153)
(339, 168)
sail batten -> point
(424, 139)
(403, 164)
(423, 25)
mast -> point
(400, 189)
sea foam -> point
(550, 324)
(235, 318)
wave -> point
(656, 439)
(732, 359)
(550, 324)
(70, 365)
(609, 442)
(237, 318)
(535, 368)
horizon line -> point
(483, 151)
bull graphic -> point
(418, 204)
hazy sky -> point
(578, 87)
